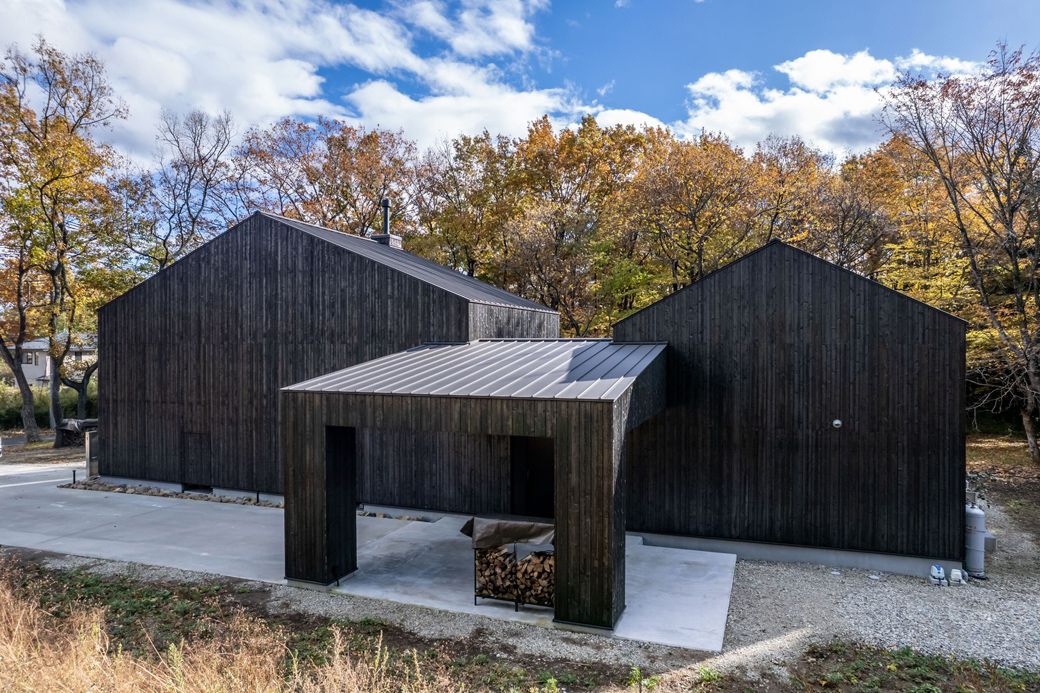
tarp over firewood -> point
(490, 533)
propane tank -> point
(974, 540)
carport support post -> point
(590, 520)
(320, 504)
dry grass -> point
(42, 652)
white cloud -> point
(610, 117)
(430, 119)
(478, 27)
(918, 61)
(832, 100)
(821, 70)
(263, 59)
(605, 89)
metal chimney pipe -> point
(387, 238)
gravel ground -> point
(776, 610)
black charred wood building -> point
(781, 400)
(807, 405)
(193, 358)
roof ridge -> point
(417, 266)
(780, 243)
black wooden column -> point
(590, 538)
(320, 518)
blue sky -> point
(436, 68)
(652, 48)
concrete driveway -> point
(235, 540)
(674, 596)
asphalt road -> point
(16, 475)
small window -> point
(36, 358)
(79, 355)
(28, 358)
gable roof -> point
(776, 243)
(420, 268)
(568, 369)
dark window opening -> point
(531, 471)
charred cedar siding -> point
(589, 500)
(489, 321)
(199, 352)
(449, 472)
(763, 356)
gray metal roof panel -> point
(430, 272)
(573, 369)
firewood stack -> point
(496, 573)
(536, 578)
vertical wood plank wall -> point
(589, 503)
(763, 356)
(493, 322)
(193, 358)
(434, 470)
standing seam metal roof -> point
(583, 369)
(430, 272)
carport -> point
(581, 397)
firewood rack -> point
(501, 573)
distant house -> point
(36, 365)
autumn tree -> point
(981, 134)
(182, 203)
(851, 226)
(700, 200)
(465, 204)
(327, 173)
(22, 289)
(52, 105)
(571, 183)
(922, 257)
(794, 175)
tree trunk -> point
(81, 396)
(1030, 427)
(81, 387)
(29, 425)
(55, 390)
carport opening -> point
(531, 476)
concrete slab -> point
(674, 596)
(679, 596)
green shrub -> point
(11, 404)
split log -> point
(536, 578)
(495, 573)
